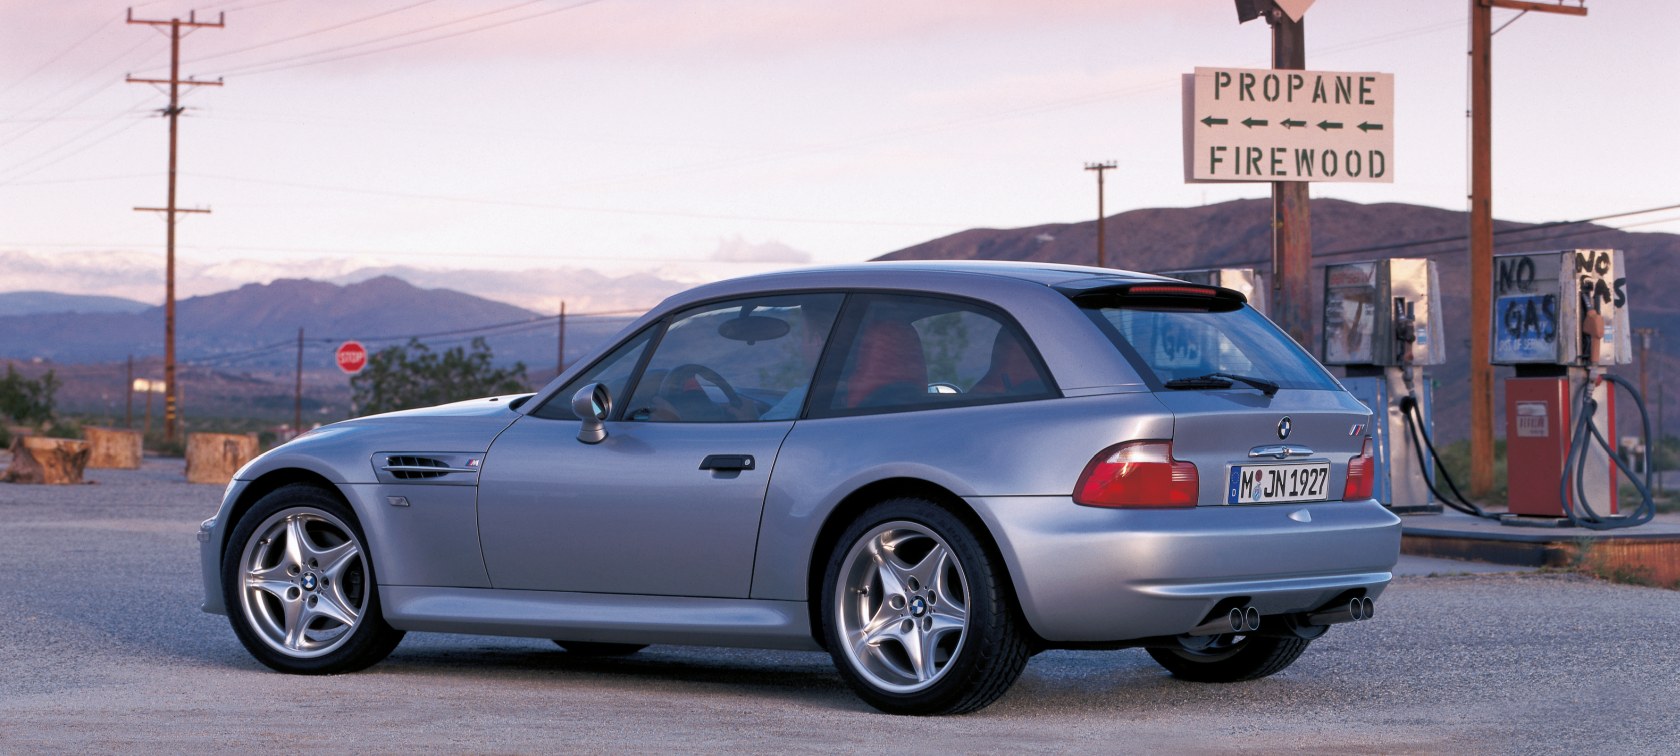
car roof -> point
(974, 276)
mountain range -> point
(251, 333)
(51, 302)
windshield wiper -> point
(1222, 380)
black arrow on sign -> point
(1370, 127)
(1288, 124)
(1252, 122)
(1210, 121)
(1328, 125)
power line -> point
(11, 173)
(1502, 232)
(578, 208)
(491, 330)
(310, 33)
(310, 59)
(56, 58)
(90, 94)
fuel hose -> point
(1420, 440)
(1579, 511)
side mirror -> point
(592, 404)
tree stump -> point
(114, 449)
(215, 457)
(53, 461)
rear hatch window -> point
(1187, 337)
(1258, 417)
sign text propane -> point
(1243, 124)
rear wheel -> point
(299, 585)
(1230, 658)
(917, 614)
(590, 648)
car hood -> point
(341, 452)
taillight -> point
(1137, 474)
(1362, 474)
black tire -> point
(327, 578)
(591, 648)
(1231, 658)
(959, 664)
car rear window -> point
(1190, 337)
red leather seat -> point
(889, 368)
(1012, 371)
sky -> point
(608, 152)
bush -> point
(25, 401)
(405, 377)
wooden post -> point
(52, 461)
(1291, 208)
(113, 449)
(1481, 229)
(215, 457)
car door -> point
(669, 503)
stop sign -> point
(352, 357)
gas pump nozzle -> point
(1592, 329)
(1405, 335)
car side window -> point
(736, 361)
(614, 371)
(909, 352)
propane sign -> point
(1247, 124)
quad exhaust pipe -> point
(1353, 610)
(1241, 619)
(1246, 619)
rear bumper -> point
(1092, 575)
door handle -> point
(727, 462)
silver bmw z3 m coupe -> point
(929, 470)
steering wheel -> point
(672, 386)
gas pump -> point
(1382, 322)
(1559, 318)
(1251, 282)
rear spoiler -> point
(1162, 294)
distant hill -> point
(238, 349)
(1237, 234)
(44, 302)
(257, 325)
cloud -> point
(738, 249)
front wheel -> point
(917, 614)
(299, 585)
(1230, 658)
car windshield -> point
(1184, 344)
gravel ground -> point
(103, 648)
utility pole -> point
(1481, 229)
(173, 112)
(1644, 335)
(1291, 204)
(128, 415)
(297, 400)
(1102, 221)
(560, 359)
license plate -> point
(1253, 484)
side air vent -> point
(411, 467)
